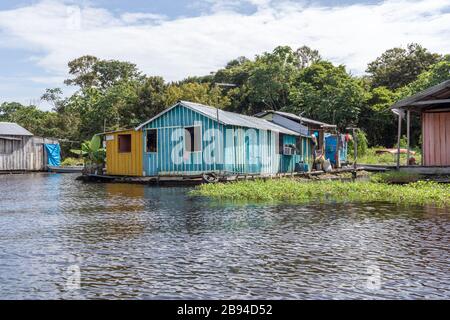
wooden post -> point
(408, 124)
(338, 140)
(421, 129)
(398, 138)
(355, 144)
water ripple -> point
(139, 242)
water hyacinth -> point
(417, 193)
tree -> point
(89, 71)
(270, 80)
(307, 56)
(40, 123)
(151, 95)
(96, 108)
(202, 93)
(236, 72)
(398, 67)
(327, 93)
(54, 98)
(82, 70)
(377, 118)
(110, 72)
(438, 73)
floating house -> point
(433, 107)
(329, 143)
(20, 150)
(193, 139)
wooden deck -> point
(199, 179)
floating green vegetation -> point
(291, 190)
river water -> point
(64, 239)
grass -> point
(418, 193)
(385, 159)
(396, 177)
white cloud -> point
(55, 32)
(131, 18)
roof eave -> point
(406, 102)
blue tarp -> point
(331, 148)
(53, 154)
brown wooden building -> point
(20, 150)
(433, 106)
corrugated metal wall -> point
(239, 150)
(120, 163)
(24, 154)
(436, 138)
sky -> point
(181, 38)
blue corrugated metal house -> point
(190, 138)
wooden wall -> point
(436, 138)
(23, 154)
(124, 163)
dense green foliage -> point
(91, 151)
(362, 145)
(325, 191)
(398, 67)
(114, 94)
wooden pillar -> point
(408, 127)
(398, 138)
(338, 140)
(355, 144)
(423, 139)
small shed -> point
(191, 139)
(433, 107)
(20, 150)
(124, 153)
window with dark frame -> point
(124, 143)
(152, 140)
(193, 139)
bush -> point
(363, 144)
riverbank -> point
(418, 193)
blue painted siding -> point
(238, 149)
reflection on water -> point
(133, 241)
